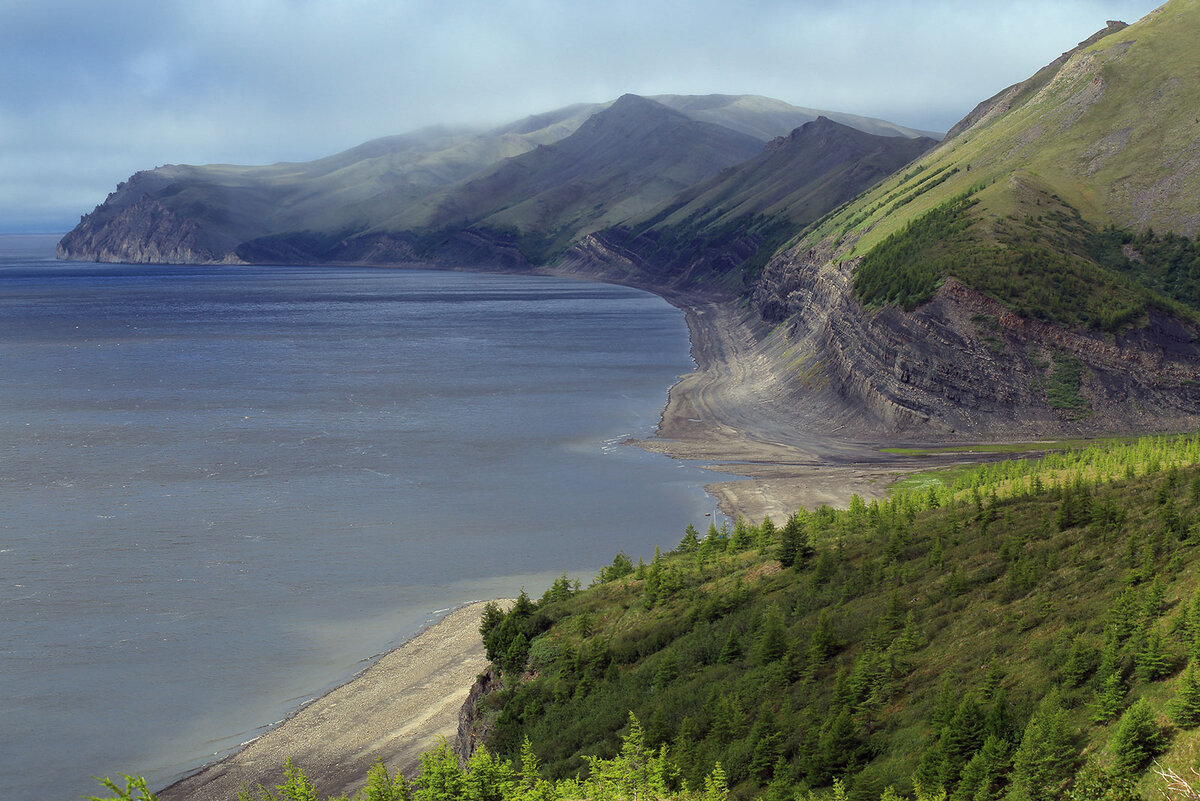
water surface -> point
(224, 487)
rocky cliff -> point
(963, 365)
(144, 231)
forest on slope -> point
(1014, 630)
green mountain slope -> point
(987, 633)
(622, 161)
(1110, 128)
(723, 229)
(1021, 242)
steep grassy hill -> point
(1005, 631)
(725, 228)
(1027, 249)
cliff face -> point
(144, 232)
(473, 729)
(964, 365)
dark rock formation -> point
(472, 728)
(143, 232)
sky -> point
(91, 92)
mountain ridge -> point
(347, 193)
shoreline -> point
(731, 414)
(395, 709)
(727, 413)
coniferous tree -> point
(998, 722)
(487, 778)
(1109, 698)
(441, 778)
(1079, 664)
(731, 651)
(691, 540)
(493, 615)
(523, 607)
(381, 786)
(983, 777)
(766, 535)
(1045, 760)
(1152, 661)
(909, 640)
(930, 765)
(743, 536)
(1136, 740)
(1185, 709)
(823, 641)
(1156, 594)
(715, 786)
(962, 737)
(772, 639)
(793, 545)
(516, 656)
(767, 744)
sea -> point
(224, 490)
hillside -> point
(725, 228)
(623, 160)
(408, 186)
(1033, 273)
(1003, 631)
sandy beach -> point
(394, 710)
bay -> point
(223, 488)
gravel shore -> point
(394, 710)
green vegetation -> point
(637, 771)
(1011, 447)
(1046, 263)
(1168, 263)
(997, 631)
(908, 267)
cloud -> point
(91, 92)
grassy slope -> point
(730, 224)
(1107, 139)
(900, 613)
(623, 161)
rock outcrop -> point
(472, 726)
(964, 365)
(143, 232)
